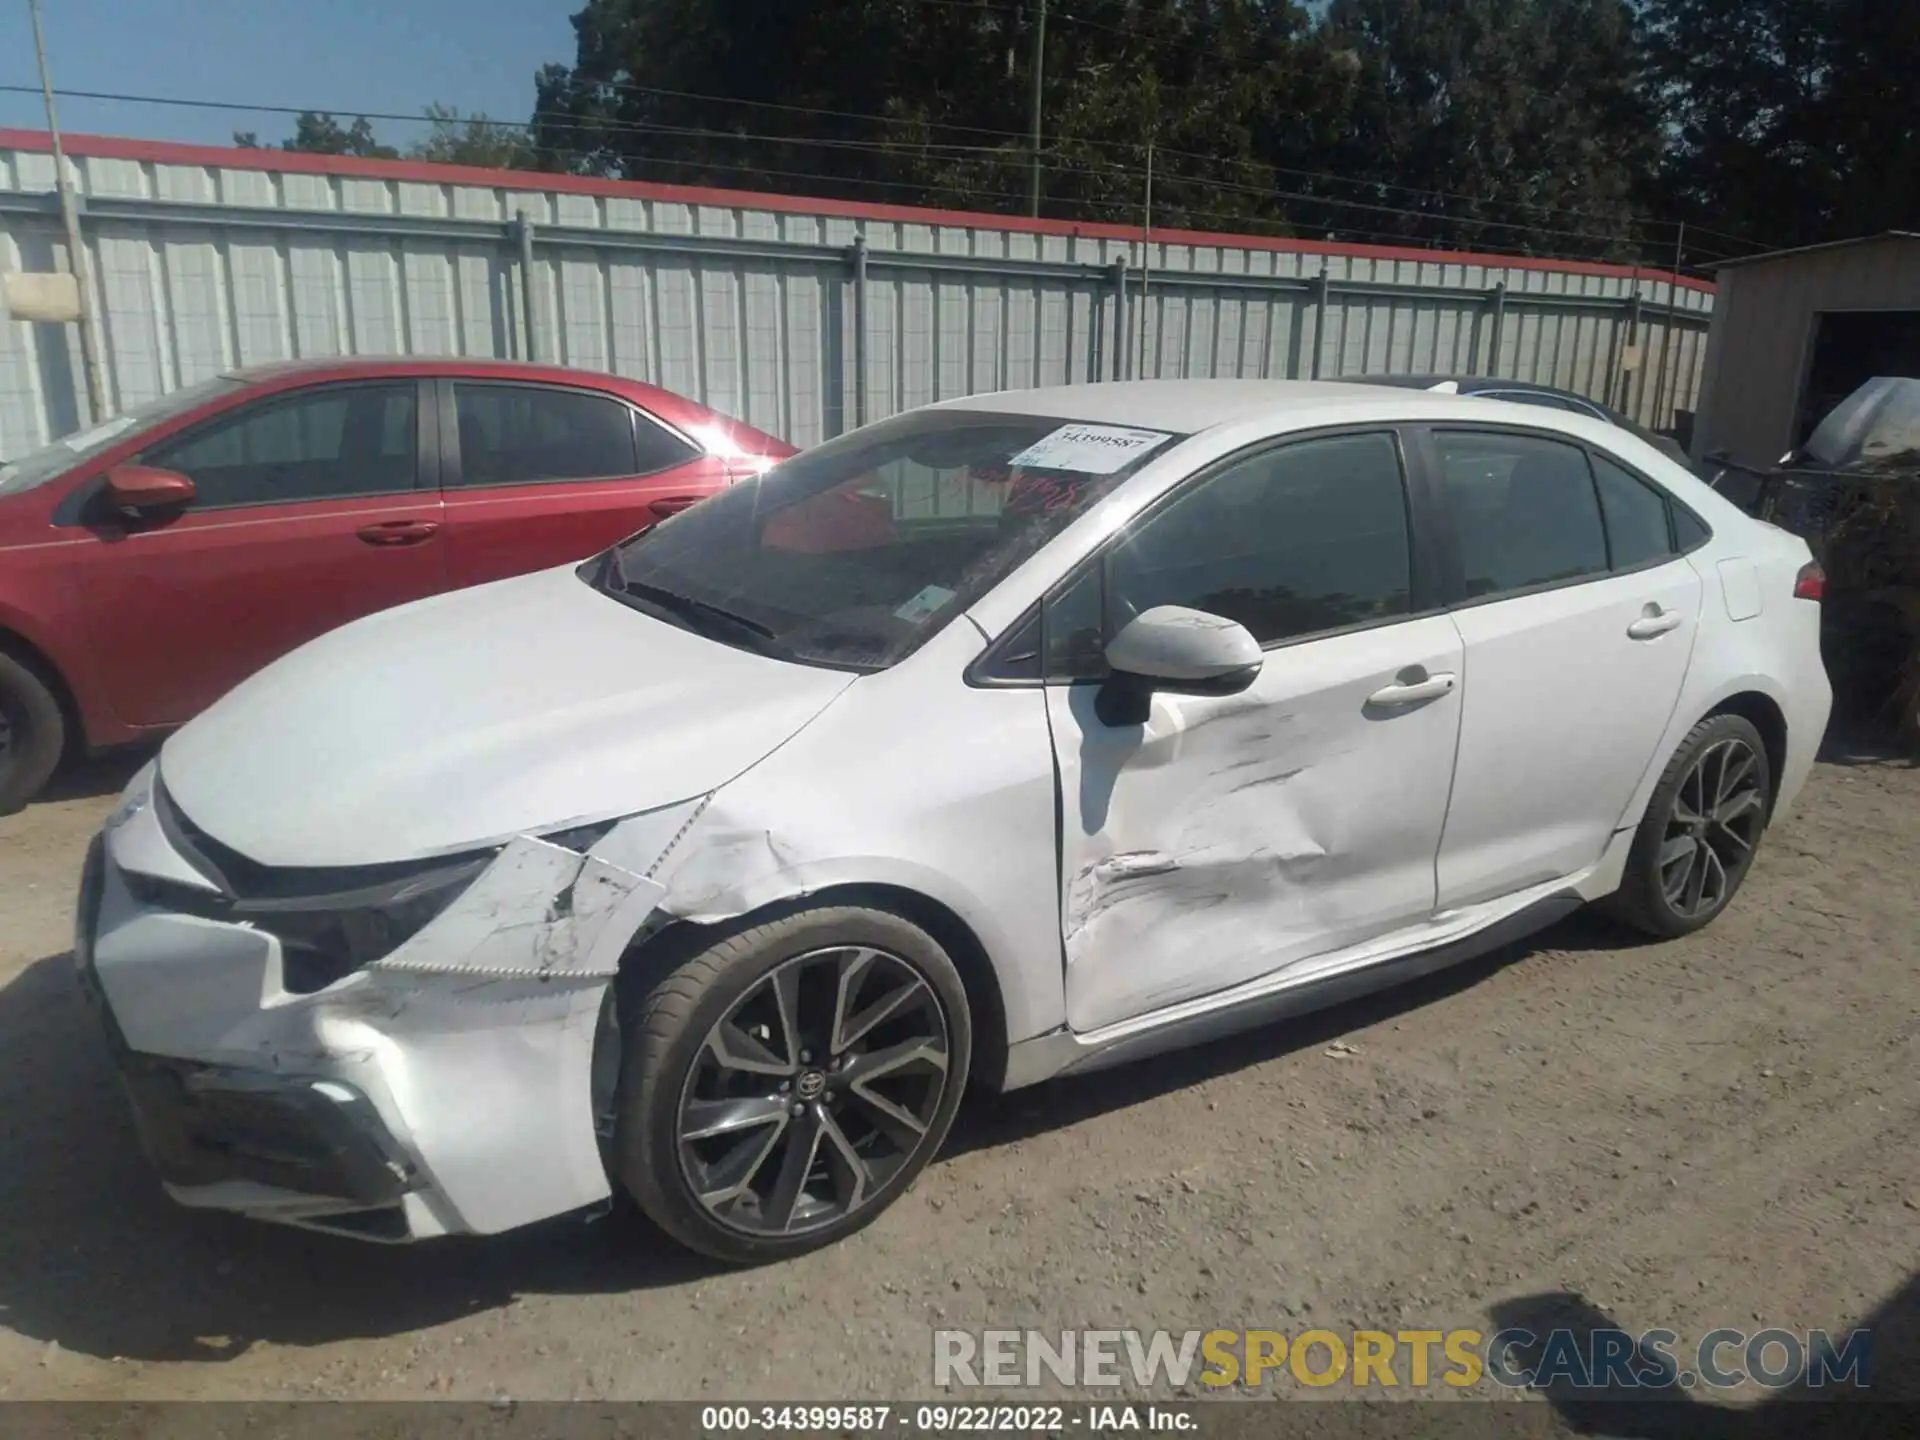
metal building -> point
(802, 316)
(1797, 331)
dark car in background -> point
(150, 563)
(1852, 492)
(1525, 392)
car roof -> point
(411, 365)
(1474, 385)
(1180, 406)
(665, 404)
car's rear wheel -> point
(783, 1087)
(1701, 830)
(32, 733)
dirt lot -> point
(1712, 1132)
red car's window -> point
(322, 444)
(50, 461)
(527, 434)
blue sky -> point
(348, 56)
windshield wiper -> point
(686, 608)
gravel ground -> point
(1714, 1131)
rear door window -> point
(527, 434)
(1524, 511)
(1636, 516)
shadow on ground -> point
(94, 776)
(1883, 1404)
(988, 1120)
(1853, 743)
(93, 1255)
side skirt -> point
(1062, 1052)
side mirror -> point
(1181, 651)
(147, 487)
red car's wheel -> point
(32, 734)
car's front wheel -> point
(783, 1087)
(32, 733)
(1701, 830)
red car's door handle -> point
(400, 532)
(673, 505)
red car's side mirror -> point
(147, 487)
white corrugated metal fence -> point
(803, 318)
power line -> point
(982, 7)
(1015, 137)
(1058, 164)
(589, 124)
(1302, 197)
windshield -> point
(37, 466)
(854, 553)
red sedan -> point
(149, 564)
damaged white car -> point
(1005, 738)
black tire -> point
(32, 734)
(1644, 899)
(664, 1039)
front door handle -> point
(1412, 692)
(399, 532)
(1654, 621)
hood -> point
(524, 706)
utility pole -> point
(76, 257)
(1039, 73)
(1146, 263)
(1666, 331)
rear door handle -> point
(1654, 622)
(400, 532)
(1414, 691)
(673, 505)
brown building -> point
(1797, 331)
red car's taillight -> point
(1811, 582)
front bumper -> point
(446, 1088)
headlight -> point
(582, 838)
(329, 921)
(324, 938)
(135, 798)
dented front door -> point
(1229, 837)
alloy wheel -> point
(813, 1091)
(1718, 813)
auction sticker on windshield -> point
(1089, 449)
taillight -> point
(1811, 582)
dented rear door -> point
(1229, 837)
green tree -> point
(952, 82)
(1792, 120)
(1521, 119)
(474, 140)
(1259, 116)
(315, 132)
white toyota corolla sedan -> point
(1012, 736)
